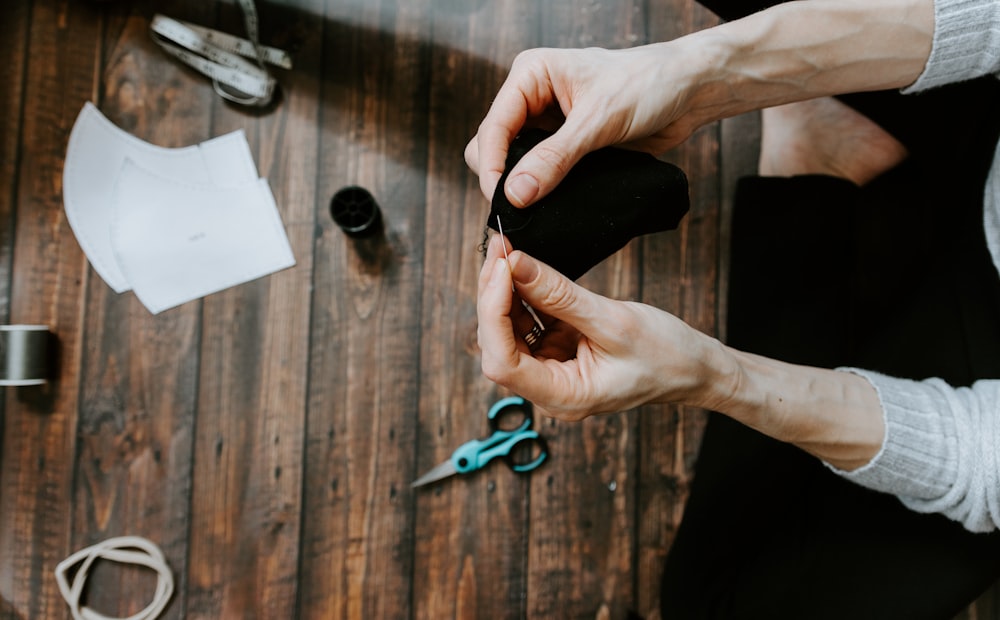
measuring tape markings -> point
(220, 56)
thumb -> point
(542, 168)
(549, 292)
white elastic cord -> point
(220, 56)
(124, 550)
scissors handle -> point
(526, 466)
(508, 408)
(477, 453)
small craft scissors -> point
(532, 449)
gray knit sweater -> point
(942, 446)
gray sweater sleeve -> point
(941, 451)
(966, 43)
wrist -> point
(833, 415)
(718, 380)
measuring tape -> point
(220, 56)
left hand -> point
(597, 355)
(589, 98)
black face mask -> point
(611, 196)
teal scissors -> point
(520, 447)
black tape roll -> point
(24, 352)
(610, 197)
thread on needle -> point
(505, 256)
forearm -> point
(802, 50)
(833, 415)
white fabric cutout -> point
(174, 224)
(176, 242)
(95, 155)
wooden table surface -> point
(265, 437)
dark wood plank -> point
(583, 507)
(36, 470)
(680, 275)
(582, 510)
(13, 49)
(364, 392)
(471, 531)
(13, 46)
(139, 371)
(247, 496)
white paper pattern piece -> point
(177, 242)
(98, 155)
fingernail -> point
(499, 269)
(496, 243)
(523, 269)
(522, 189)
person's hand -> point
(592, 98)
(597, 355)
(653, 97)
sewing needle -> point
(505, 257)
(530, 310)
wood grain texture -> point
(247, 498)
(583, 507)
(36, 470)
(13, 49)
(679, 274)
(14, 32)
(139, 373)
(365, 353)
(471, 531)
(266, 436)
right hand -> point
(597, 355)
(634, 97)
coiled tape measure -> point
(221, 56)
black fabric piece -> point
(610, 197)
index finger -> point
(502, 122)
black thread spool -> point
(354, 210)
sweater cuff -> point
(966, 37)
(918, 457)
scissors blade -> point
(440, 471)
